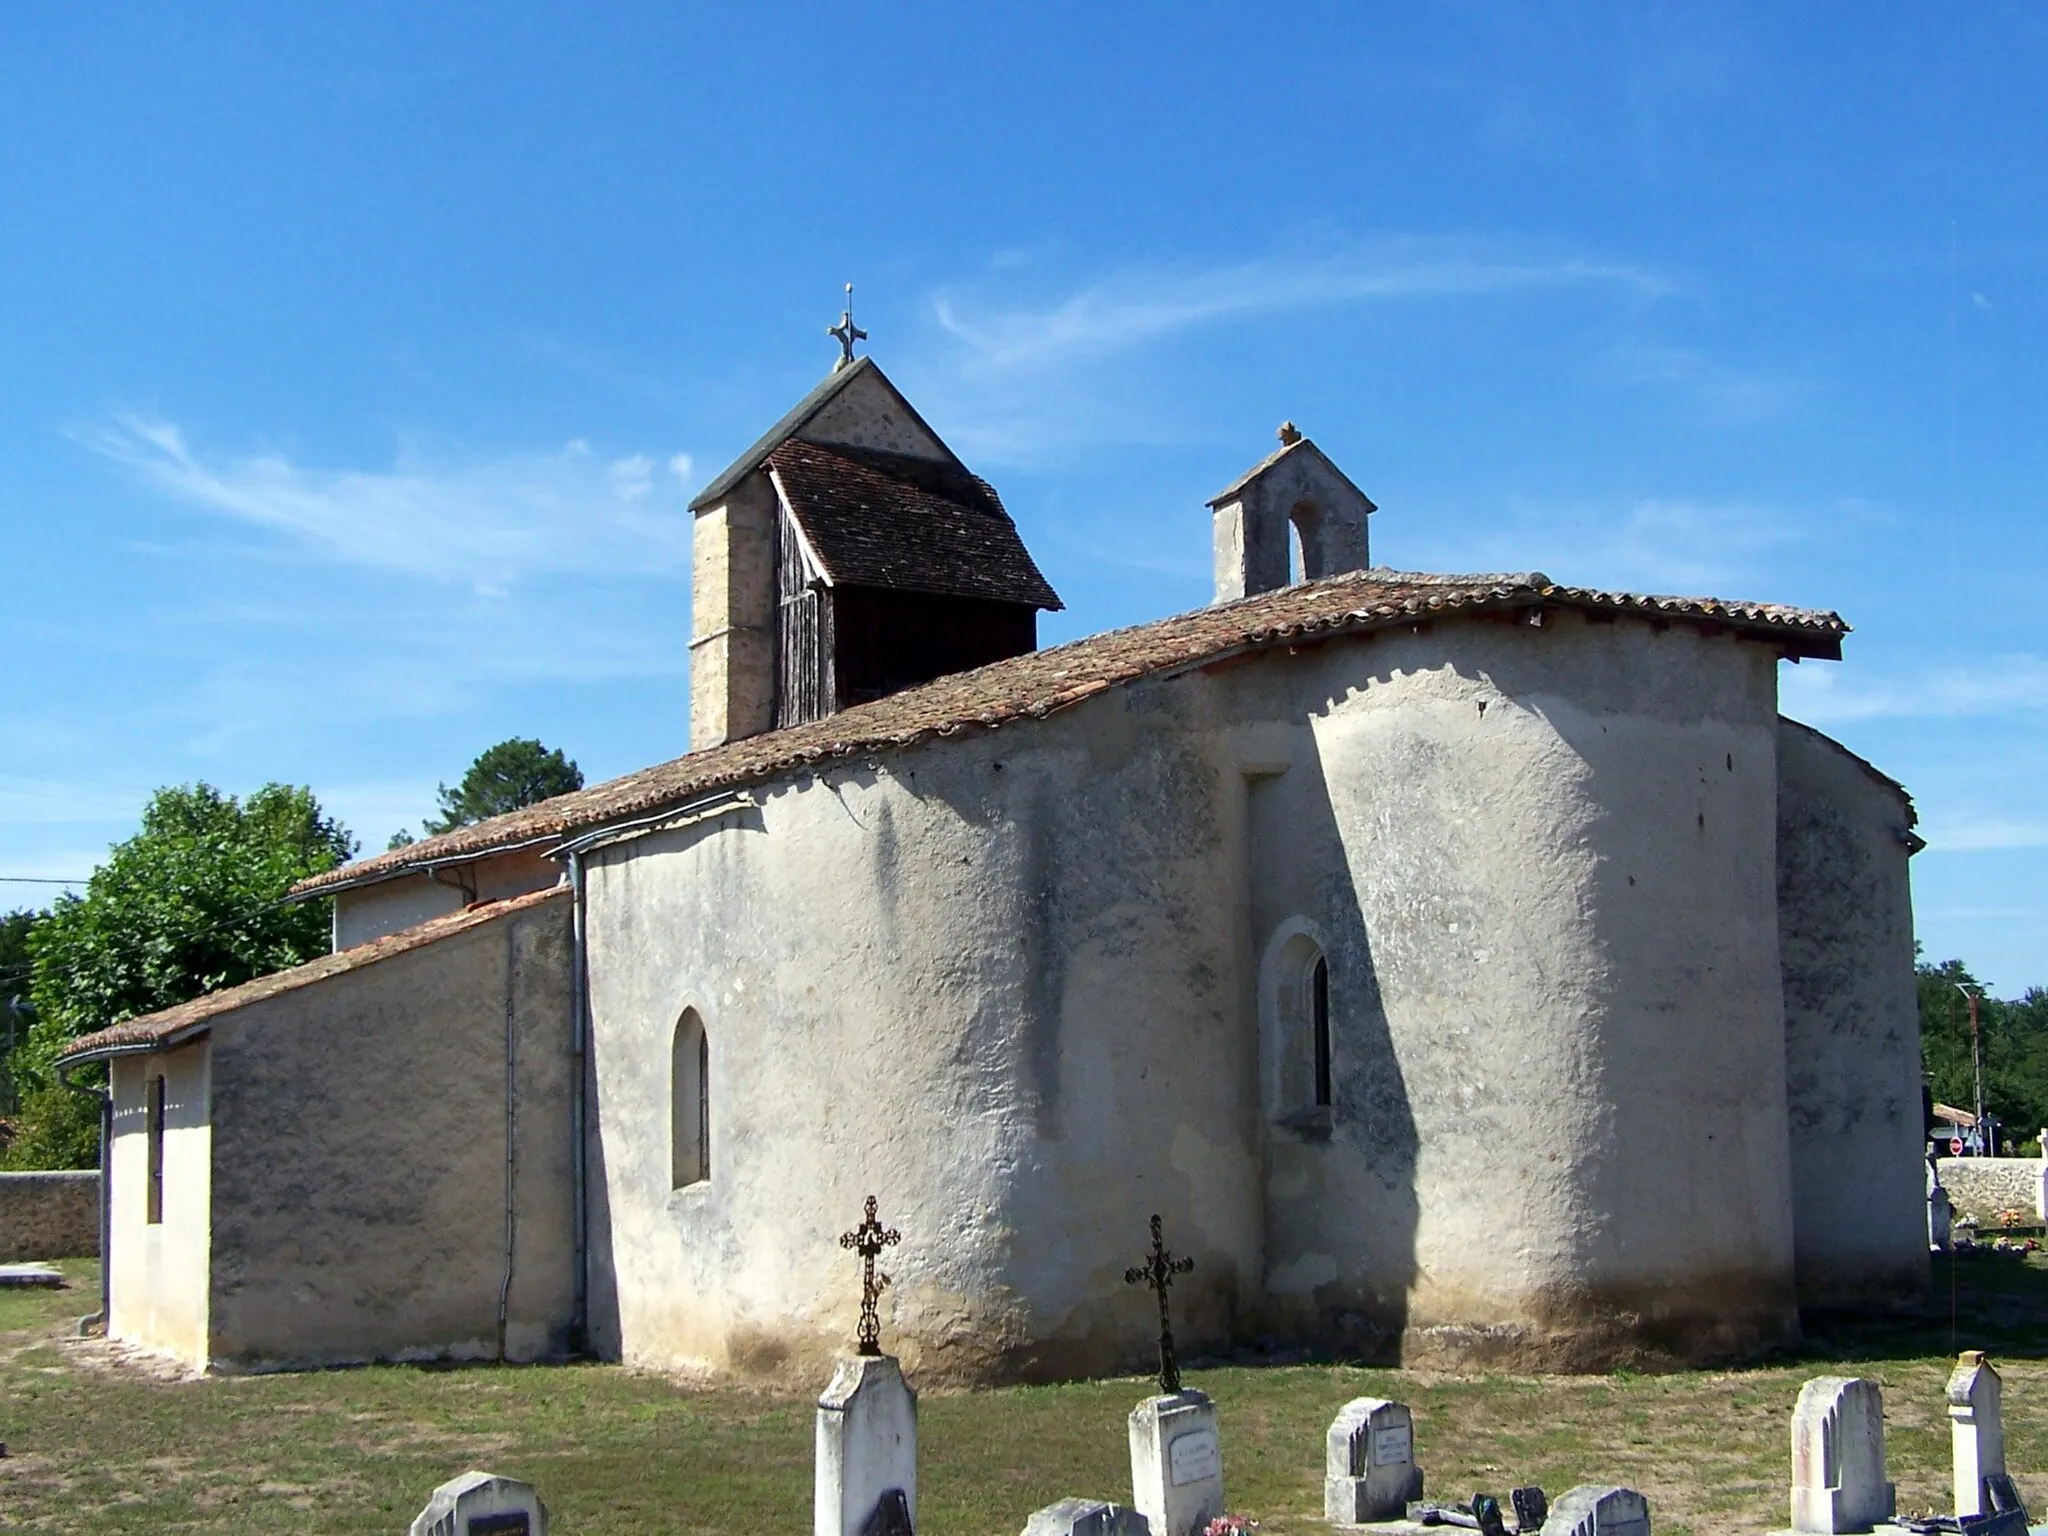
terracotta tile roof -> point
(911, 525)
(188, 1019)
(1039, 683)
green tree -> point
(190, 904)
(503, 778)
(2014, 1034)
(15, 1010)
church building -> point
(1467, 969)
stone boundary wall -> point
(1981, 1187)
(49, 1216)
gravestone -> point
(1838, 1479)
(1369, 1470)
(1591, 1510)
(1976, 1431)
(1176, 1462)
(2041, 1179)
(478, 1504)
(866, 1450)
(1941, 1216)
(1087, 1517)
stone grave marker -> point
(1087, 1517)
(1176, 1452)
(1976, 1431)
(1941, 1215)
(1591, 1510)
(1176, 1463)
(866, 1448)
(1838, 1481)
(1369, 1470)
(479, 1504)
(865, 1479)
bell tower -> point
(1295, 493)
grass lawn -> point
(616, 1451)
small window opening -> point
(156, 1149)
(1300, 1055)
(1319, 984)
(1303, 522)
(690, 1103)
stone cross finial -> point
(868, 1239)
(846, 332)
(1289, 434)
(1158, 1272)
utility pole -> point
(1977, 1066)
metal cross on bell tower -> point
(1158, 1272)
(846, 332)
(869, 1239)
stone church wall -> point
(991, 981)
(1852, 1026)
(1012, 983)
(1539, 863)
(358, 1131)
(158, 1270)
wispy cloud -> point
(1143, 305)
(483, 523)
(1651, 544)
(1994, 685)
(1984, 834)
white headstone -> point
(1369, 1470)
(1087, 1517)
(1838, 1456)
(2041, 1180)
(866, 1448)
(1590, 1510)
(1976, 1431)
(1176, 1463)
(1941, 1215)
(478, 1504)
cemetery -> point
(1875, 1426)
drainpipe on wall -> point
(511, 1129)
(579, 1023)
(97, 1323)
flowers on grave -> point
(1230, 1525)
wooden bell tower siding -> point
(846, 556)
(890, 571)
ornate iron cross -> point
(1158, 1272)
(867, 1240)
(846, 332)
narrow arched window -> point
(1305, 551)
(154, 1126)
(1319, 1005)
(690, 1102)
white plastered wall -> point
(1852, 1026)
(390, 906)
(158, 1270)
(1541, 863)
(1009, 983)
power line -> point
(39, 880)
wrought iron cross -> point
(846, 332)
(1158, 1272)
(867, 1240)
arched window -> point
(689, 1103)
(1295, 1020)
(154, 1126)
(1304, 545)
(1319, 1009)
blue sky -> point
(360, 361)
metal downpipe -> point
(579, 1030)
